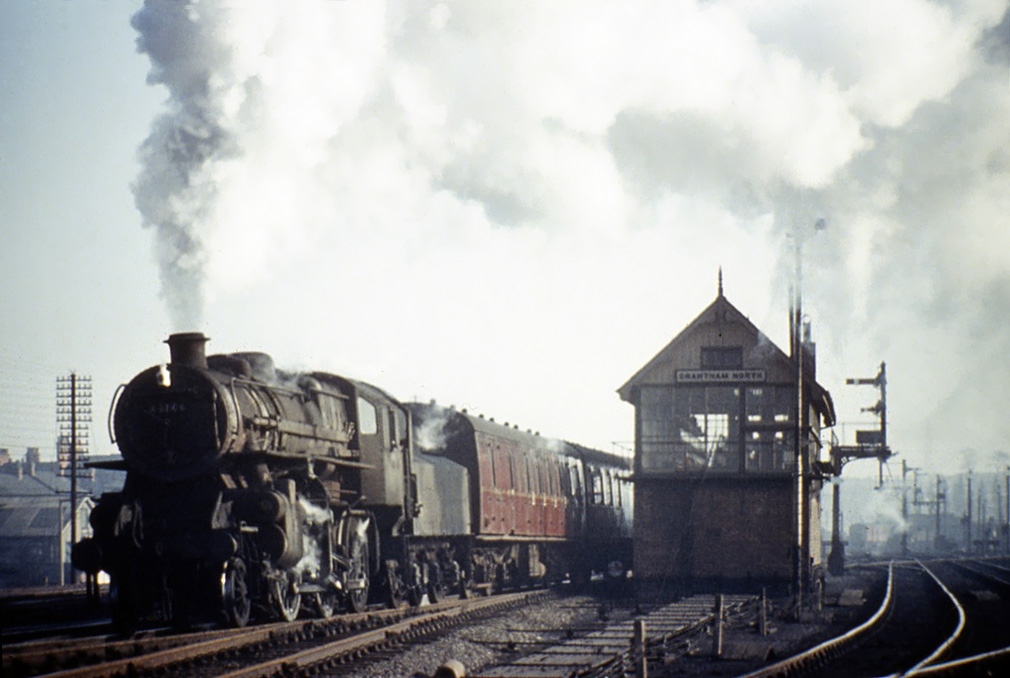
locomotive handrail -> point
(234, 402)
(338, 461)
(112, 409)
(300, 429)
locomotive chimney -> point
(187, 348)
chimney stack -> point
(187, 349)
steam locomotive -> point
(254, 493)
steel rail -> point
(992, 659)
(952, 638)
(236, 639)
(990, 571)
(834, 647)
(977, 662)
(330, 654)
(65, 653)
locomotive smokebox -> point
(187, 349)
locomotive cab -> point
(383, 437)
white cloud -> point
(514, 206)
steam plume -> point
(531, 190)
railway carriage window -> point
(505, 468)
(576, 481)
(494, 471)
(368, 422)
(597, 495)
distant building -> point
(715, 459)
(35, 519)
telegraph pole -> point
(967, 521)
(73, 413)
(795, 318)
(801, 468)
(905, 469)
(941, 496)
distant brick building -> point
(715, 459)
(35, 522)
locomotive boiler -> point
(252, 492)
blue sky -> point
(74, 267)
(510, 208)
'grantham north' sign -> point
(718, 376)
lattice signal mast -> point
(73, 416)
(870, 444)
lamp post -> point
(800, 449)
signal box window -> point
(691, 429)
(721, 358)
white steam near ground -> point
(513, 206)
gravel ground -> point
(487, 643)
(503, 637)
(848, 601)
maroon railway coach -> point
(540, 509)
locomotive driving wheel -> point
(357, 572)
(395, 588)
(325, 603)
(436, 587)
(286, 598)
(467, 586)
(236, 607)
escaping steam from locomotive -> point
(254, 493)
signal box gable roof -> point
(721, 324)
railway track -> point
(288, 649)
(42, 612)
(946, 618)
(614, 649)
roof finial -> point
(720, 281)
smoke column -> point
(520, 204)
(255, 91)
(176, 189)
